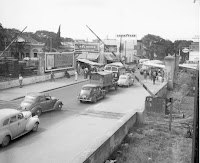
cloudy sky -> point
(169, 19)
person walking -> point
(76, 75)
(154, 76)
(52, 76)
(20, 81)
(145, 75)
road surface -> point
(63, 134)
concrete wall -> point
(32, 80)
(104, 147)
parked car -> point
(91, 93)
(14, 123)
(125, 80)
(40, 102)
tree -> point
(3, 38)
(157, 46)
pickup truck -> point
(105, 80)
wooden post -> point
(170, 117)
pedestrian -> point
(150, 74)
(20, 81)
(76, 75)
(86, 72)
(154, 76)
(67, 74)
(52, 76)
(145, 75)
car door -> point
(49, 103)
(21, 122)
(42, 103)
(14, 126)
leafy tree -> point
(157, 47)
(3, 38)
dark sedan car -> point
(40, 102)
(91, 93)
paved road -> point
(62, 136)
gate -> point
(155, 104)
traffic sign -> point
(185, 50)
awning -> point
(110, 57)
(88, 56)
(90, 62)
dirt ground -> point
(152, 142)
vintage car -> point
(91, 93)
(14, 123)
(125, 80)
(40, 102)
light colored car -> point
(125, 80)
(91, 93)
(40, 102)
(14, 123)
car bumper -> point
(84, 99)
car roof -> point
(91, 85)
(102, 72)
(7, 112)
(125, 75)
(36, 94)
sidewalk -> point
(16, 93)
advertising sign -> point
(50, 61)
(126, 35)
(58, 61)
(110, 48)
(86, 47)
(185, 50)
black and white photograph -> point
(99, 81)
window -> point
(35, 55)
(13, 119)
(5, 122)
(42, 98)
(20, 116)
(48, 98)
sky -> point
(169, 19)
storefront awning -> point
(88, 56)
(89, 62)
(110, 57)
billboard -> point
(86, 47)
(110, 48)
(58, 61)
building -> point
(30, 47)
(194, 51)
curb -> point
(52, 89)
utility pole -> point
(195, 136)
(125, 52)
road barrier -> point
(104, 147)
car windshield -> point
(123, 77)
(30, 98)
(86, 90)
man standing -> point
(76, 75)
(52, 76)
(20, 81)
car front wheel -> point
(6, 141)
(59, 107)
(35, 127)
